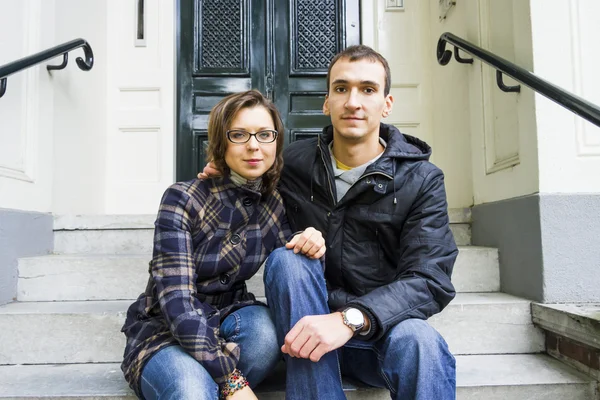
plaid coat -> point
(210, 237)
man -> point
(382, 208)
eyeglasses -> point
(241, 136)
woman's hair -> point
(219, 122)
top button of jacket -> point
(235, 239)
(224, 279)
(247, 202)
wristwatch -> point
(353, 318)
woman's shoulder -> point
(194, 191)
(193, 187)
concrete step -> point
(119, 277)
(82, 332)
(139, 241)
(489, 377)
(133, 234)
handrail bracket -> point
(61, 66)
(504, 87)
(460, 59)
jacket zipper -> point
(329, 178)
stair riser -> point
(96, 337)
(517, 392)
(59, 339)
(131, 241)
(114, 278)
(515, 377)
(139, 241)
(489, 329)
(581, 391)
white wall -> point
(450, 107)
(429, 102)
(26, 27)
(565, 50)
(141, 107)
(503, 130)
(80, 112)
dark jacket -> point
(210, 237)
(390, 251)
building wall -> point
(22, 234)
(427, 103)
(80, 112)
(548, 239)
(569, 146)
(503, 129)
(26, 110)
(451, 109)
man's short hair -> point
(362, 52)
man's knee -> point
(284, 265)
(418, 335)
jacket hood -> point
(399, 145)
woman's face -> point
(251, 159)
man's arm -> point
(427, 257)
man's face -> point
(356, 102)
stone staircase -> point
(62, 339)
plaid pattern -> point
(210, 237)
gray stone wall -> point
(22, 234)
(549, 245)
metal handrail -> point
(570, 101)
(62, 49)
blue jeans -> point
(173, 374)
(411, 360)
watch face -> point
(354, 316)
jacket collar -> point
(399, 146)
(228, 191)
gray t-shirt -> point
(345, 179)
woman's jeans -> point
(411, 360)
(173, 374)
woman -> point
(196, 332)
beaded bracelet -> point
(235, 381)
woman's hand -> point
(310, 243)
(243, 394)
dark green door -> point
(280, 47)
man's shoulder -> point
(423, 169)
(301, 147)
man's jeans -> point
(411, 360)
(173, 374)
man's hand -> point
(310, 243)
(316, 335)
(209, 171)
